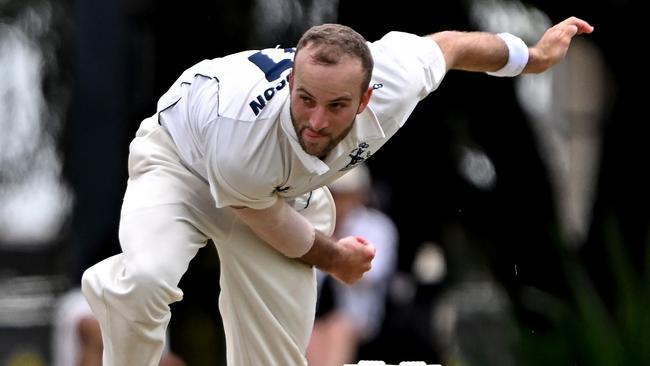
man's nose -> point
(318, 120)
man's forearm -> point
(487, 52)
(281, 227)
(294, 236)
(472, 51)
(323, 254)
(346, 259)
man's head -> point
(329, 85)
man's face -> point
(325, 100)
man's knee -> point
(91, 284)
(141, 284)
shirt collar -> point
(366, 129)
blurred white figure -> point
(566, 107)
(73, 336)
(358, 310)
(77, 339)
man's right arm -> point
(346, 259)
(293, 235)
(486, 52)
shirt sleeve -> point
(407, 68)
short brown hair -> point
(339, 40)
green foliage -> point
(588, 329)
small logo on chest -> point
(357, 156)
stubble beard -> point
(324, 151)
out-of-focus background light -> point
(34, 199)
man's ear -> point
(365, 99)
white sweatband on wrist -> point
(281, 226)
(517, 56)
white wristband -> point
(517, 56)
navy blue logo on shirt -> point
(272, 71)
(357, 156)
(281, 189)
(259, 103)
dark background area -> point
(511, 230)
(119, 57)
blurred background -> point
(521, 204)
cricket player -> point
(239, 151)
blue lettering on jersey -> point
(259, 102)
(272, 71)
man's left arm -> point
(283, 228)
(506, 55)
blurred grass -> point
(587, 329)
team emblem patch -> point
(357, 156)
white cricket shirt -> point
(229, 118)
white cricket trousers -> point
(267, 300)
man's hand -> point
(346, 259)
(356, 259)
(554, 44)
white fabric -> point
(356, 180)
(282, 227)
(217, 139)
(267, 300)
(228, 140)
(71, 308)
(517, 56)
